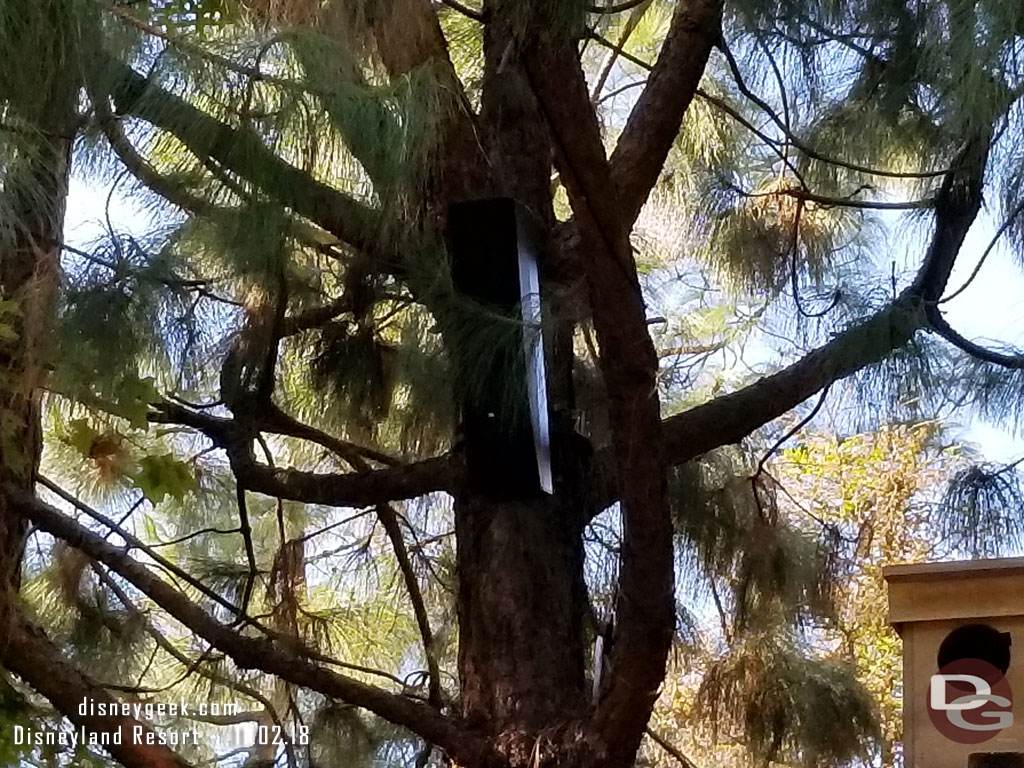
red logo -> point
(970, 701)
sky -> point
(992, 309)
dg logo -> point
(970, 701)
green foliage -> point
(128, 397)
(81, 436)
(15, 710)
(9, 312)
(134, 397)
(789, 709)
(795, 659)
(44, 37)
(981, 509)
(162, 476)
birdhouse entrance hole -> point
(976, 641)
(996, 760)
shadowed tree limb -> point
(389, 520)
(730, 418)
(673, 751)
(245, 529)
(628, 5)
(141, 169)
(465, 10)
(137, 543)
(315, 317)
(409, 38)
(405, 481)
(628, 364)
(628, 28)
(242, 151)
(170, 649)
(277, 421)
(133, 542)
(942, 327)
(177, 194)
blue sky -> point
(992, 308)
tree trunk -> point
(522, 599)
(521, 606)
(35, 187)
(521, 603)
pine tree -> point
(300, 418)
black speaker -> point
(495, 341)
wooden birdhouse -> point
(962, 625)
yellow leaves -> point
(872, 485)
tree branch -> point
(730, 418)
(614, 51)
(653, 125)
(262, 653)
(277, 421)
(465, 10)
(942, 327)
(628, 364)
(405, 481)
(389, 520)
(242, 151)
(409, 37)
(170, 649)
(667, 746)
(176, 194)
(137, 543)
(628, 5)
(827, 201)
(141, 169)
(315, 317)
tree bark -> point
(28, 653)
(35, 187)
(34, 197)
(521, 604)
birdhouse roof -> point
(973, 589)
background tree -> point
(251, 429)
(892, 495)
